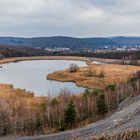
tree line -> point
(107, 55)
(20, 51)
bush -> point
(138, 74)
(102, 74)
(73, 68)
(91, 73)
(111, 87)
(133, 76)
(96, 92)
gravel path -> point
(124, 118)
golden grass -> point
(8, 90)
(113, 73)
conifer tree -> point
(70, 114)
(101, 104)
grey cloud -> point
(113, 6)
(69, 17)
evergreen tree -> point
(70, 114)
(101, 104)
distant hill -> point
(71, 42)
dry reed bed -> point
(112, 74)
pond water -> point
(31, 75)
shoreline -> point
(81, 80)
(88, 61)
(18, 59)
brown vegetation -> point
(130, 134)
(23, 113)
(96, 76)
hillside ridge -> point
(71, 42)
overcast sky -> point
(80, 18)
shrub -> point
(96, 92)
(73, 68)
(138, 74)
(102, 74)
(54, 102)
(43, 106)
(86, 91)
(111, 87)
(91, 73)
(133, 76)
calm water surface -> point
(31, 75)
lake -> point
(31, 75)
